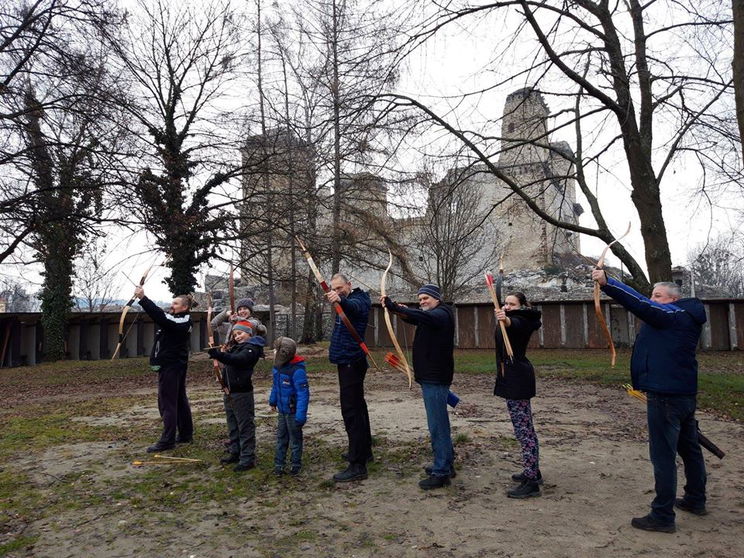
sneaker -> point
(429, 468)
(160, 446)
(294, 471)
(370, 458)
(648, 523)
(431, 482)
(351, 473)
(230, 458)
(244, 467)
(520, 477)
(681, 503)
(526, 489)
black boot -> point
(354, 472)
(429, 468)
(681, 503)
(160, 446)
(230, 458)
(520, 477)
(648, 523)
(527, 489)
(432, 482)
(370, 457)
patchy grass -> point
(49, 401)
(720, 379)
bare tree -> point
(41, 54)
(64, 136)
(15, 296)
(606, 67)
(454, 239)
(179, 60)
(95, 282)
(719, 266)
(738, 67)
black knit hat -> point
(431, 290)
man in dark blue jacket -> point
(433, 368)
(664, 366)
(352, 366)
(170, 358)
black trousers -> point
(173, 404)
(354, 410)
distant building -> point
(527, 156)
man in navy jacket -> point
(352, 366)
(664, 366)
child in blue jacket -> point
(290, 396)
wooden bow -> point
(210, 340)
(398, 362)
(597, 304)
(502, 325)
(124, 311)
(336, 306)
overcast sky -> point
(457, 61)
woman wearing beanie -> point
(433, 367)
(222, 323)
(515, 382)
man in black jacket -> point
(433, 368)
(170, 357)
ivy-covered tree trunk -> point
(56, 302)
(59, 231)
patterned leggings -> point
(520, 412)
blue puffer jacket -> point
(290, 391)
(343, 349)
(663, 358)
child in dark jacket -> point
(239, 403)
(290, 396)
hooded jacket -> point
(663, 358)
(515, 379)
(290, 392)
(173, 337)
(239, 362)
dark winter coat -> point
(290, 391)
(663, 358)
(515, 379)
(239, 362)
(433, 343)
(172, 339)
(344, 349)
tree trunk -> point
(738, 65)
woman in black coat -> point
(515, 382)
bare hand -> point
(139, 292)
(600, 276)
(500, 314)
(333, 297)
(273, 408)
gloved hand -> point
(213, 352)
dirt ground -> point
(593, 455)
